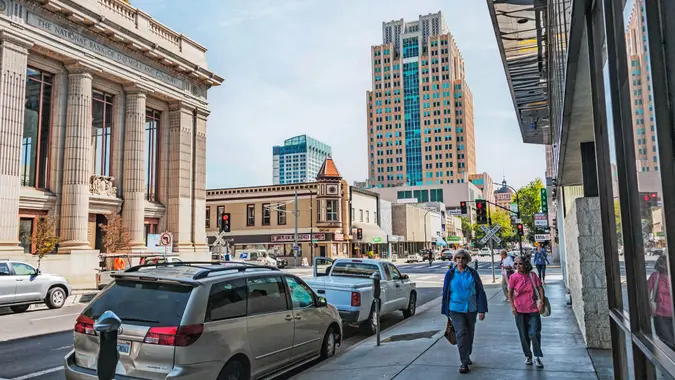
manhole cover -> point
(411, 336)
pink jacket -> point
(664, 306)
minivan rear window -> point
(142, 303)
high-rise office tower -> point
(641, 92)
(420, 110)
(298, 160)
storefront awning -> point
(372, 233)
(453, 239)
(440, 242)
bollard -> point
(376, 300)
(107, 326)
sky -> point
(296, 67)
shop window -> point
(101, 127)
(152, 124)
(34, 168)
(250, 215)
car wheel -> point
(19, 308)
(412, 306)
(369, 326)
(329, 343)
(234, 370)
(56, 298)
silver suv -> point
(207, 321)
(22, 285)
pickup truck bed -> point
(339, 291)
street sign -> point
(544, 200)
(491, 234)
(540, 220)
(542, 237)
(165, 239)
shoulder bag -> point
(547, 304)
(450, 333)
(653, 293)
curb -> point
(15, 340)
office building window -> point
(101, 126)
(208, 217)
(36, 130)
(266, 214)
(220, 210)
(250, 215)
(152, 119)
(353, 215)
(361, 215)
(281, 214)
(332, 210)
(367, 216)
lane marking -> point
(434, 266)
(425, 277)
(62, 348)
(55, 316)
(39, 373)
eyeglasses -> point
(516, 264)
(463, 258)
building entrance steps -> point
(416, 348)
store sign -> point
(542, 237)
(454, 212)
(93, 46)
(301, 237)
(541, 220)
(339, 237)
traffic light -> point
(521, 231)
(225, 222)
(654, 199)
(645, 205)
(481, 211)
(462, 207)
(544, 201)
(359, 234)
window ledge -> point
(35, 199)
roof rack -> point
(205, 271)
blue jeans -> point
(465, 327)
(529, 329)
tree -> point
(503, 218)
(466, 228)
(45, 238)
(116, 235)
(529, 198)
(617, 219)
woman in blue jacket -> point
(464, 299)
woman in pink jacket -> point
(659, 291)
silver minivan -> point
(199, 321)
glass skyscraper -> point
(298, 160)
(420, 111)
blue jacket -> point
(540, 258)
(481, 297)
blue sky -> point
(303, 66)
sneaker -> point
(538, 363)
(528, 361)
(464, 369)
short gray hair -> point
(463, 252)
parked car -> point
(219, 321)
(22, 285)
(414, 258)
(485, 251)
(347, 285)
(447, 254)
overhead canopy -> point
(520, 28)
(372, 233)
(440, 242)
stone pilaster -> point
(179, 204)
(199, 187)
(133, 210)
(76, 165)
(13, 61)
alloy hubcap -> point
(57, 298)
(330, 344)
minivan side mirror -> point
(322, 302)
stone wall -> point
(585, 262)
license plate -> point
(124, 348)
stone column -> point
(179, 204)
(76, 165)
(199, 186)
(133, 210)
(13, 61)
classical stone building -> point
(265, 216)
(103, 108)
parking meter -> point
(377, 291)
(107, 326)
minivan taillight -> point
(84, 325)
(180, 336)
(356, 299)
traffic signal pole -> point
(492, 248)
(295, 239)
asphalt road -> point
(41, 357)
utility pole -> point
(295, 240)
(311, 227)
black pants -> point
(529, 330)
(664, 330)
(465, 327)
(541, 268)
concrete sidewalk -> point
(416, 348)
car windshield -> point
(354, 269)
(142, 303)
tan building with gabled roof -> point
(264, 216)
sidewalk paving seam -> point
(430, 346)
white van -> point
(254, 256)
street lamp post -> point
(425, 228)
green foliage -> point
(617, 218)
(501, 217)
(529, 198)
(466, 228)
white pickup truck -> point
(347, 285)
